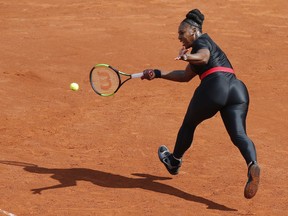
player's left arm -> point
(201, 57)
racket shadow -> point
(69, 178)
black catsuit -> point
(220, 91)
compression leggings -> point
(218, 92)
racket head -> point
(105, 80)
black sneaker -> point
(251, 187)
(172, 164)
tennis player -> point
(219, 90)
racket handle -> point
(137, 75)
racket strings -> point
(105, 80)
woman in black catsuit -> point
(219, 90)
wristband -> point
(157, 73)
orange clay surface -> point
(76, 153)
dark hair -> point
(194, 18)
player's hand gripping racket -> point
(106, 80)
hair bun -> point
(196, 16)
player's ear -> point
(193, 31)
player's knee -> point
(238, 138)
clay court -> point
(76, 153)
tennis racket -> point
(106, 80)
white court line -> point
(6, 213)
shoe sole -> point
(252, 186)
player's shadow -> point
(69, 177)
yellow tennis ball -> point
(74, 86)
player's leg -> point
(207, 100)
(196, 113)
(234, 117)
(199, 110)
(204, 104)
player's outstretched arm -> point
(179, 75)
(175, 75)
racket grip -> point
(137, 75)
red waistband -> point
(216, 69)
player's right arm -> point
(175, 75)
(179, 75)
